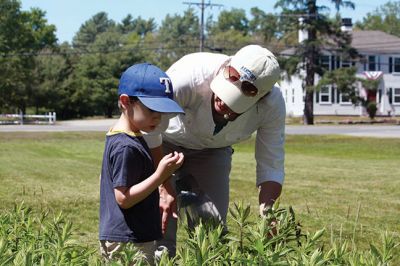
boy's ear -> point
(124, 99)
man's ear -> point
(124, 100)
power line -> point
(75, 52)
(159, 46)
(147, 48)
(202, 6)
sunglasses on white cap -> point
(232, 75)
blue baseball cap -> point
(151, 85)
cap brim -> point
(231, 95)
(161, 104)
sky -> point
(69, 15)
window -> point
(394, 64)
(292, 95)
(346, 63)
(371, 63)
(286, 96)
(396, 96)
(325, 95)
(397, 64)
(325, 62)
(344, 98)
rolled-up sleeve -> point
(270, 141)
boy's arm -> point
(127, 197)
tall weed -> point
(28, 238)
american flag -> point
(373, 75)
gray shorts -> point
(210, 168)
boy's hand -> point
(169, 164)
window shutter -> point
(332, 62)
(337, 96)
(390, 96)
(379, 63)
(379, 96)
(317, 97)
(365, 62)
(390, 64)
(333, 94)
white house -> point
(381, 54)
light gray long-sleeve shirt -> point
(191, 77)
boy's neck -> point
(123, 124)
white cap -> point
(254, 64)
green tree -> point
(22, 35)
(235, 19)
(177, 36)
(229, 33)
(106, 50)
(340, 3)
(322, 33)
(138, 25)
(228, 42)
(55, 85)
(88, 31)
(263, 24)
(99, 71)
(345, 81)
(385, 18)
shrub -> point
(29, 239)
(371, 109)
(283, 243)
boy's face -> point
(142, 118)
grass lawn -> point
(349, 185)
(338, 119)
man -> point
(225, 99)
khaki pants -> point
(111, 250)
(210, 168)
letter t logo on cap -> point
(167, 83)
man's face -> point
(222, 109)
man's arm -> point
(167, 193)
(269, 150)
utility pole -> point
(202, 6)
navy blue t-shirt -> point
(126, 162)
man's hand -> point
(272, 222)
(269, 192)
(167, 204)
(167, 194)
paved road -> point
(380, 131)
(72, 125)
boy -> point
(129, 198)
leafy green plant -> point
(371, 109)
(279, 243)
(30, 239)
